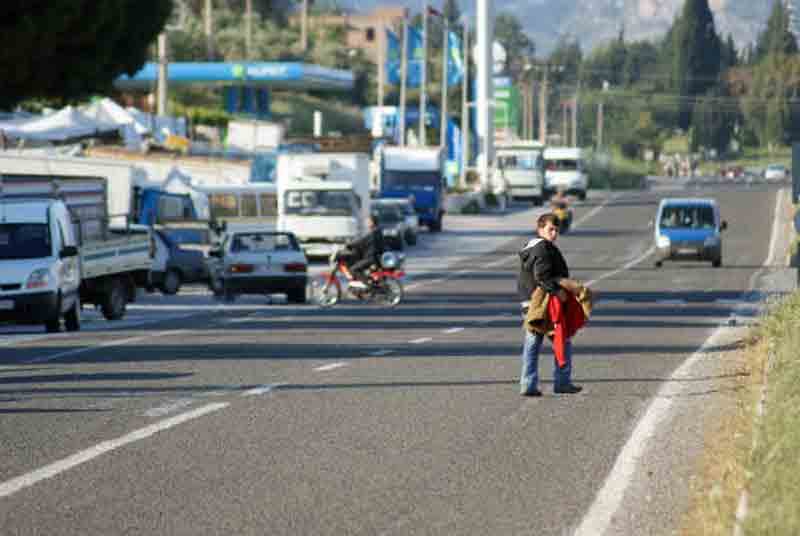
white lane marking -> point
(119, 342)
(450, 331)
(381, 353)
(261, 389)
(332, 366)
(612, 302)
(608, 500)
(726, 301)
(168, 408)
(623, 268)
(421, 340)
(14, 485)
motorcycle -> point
(383, 284)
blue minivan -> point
(689, 229)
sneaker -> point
(360, 285)
(569, 389)
(534, 392)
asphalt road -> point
(195, 417)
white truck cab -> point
(40, 276)
(565, 171)
(522, 166)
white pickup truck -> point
(57, 252)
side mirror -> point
(723, 225)
(68, 251)
(215, 253)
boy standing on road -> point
(542, 265)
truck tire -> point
(115, 301)
(582, 195)
(172, 282)
(72, 320)
(537, 201)
(52, 325)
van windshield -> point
(24, 241)
(320, 203)
(562, 165)
(687, 217)
(411, 180)
(519, 161)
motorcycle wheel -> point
(325, 292)
(390, 292)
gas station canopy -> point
(268, 75)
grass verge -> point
(771, 470)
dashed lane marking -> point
(450, 331)
(421, 340)
(332, 366)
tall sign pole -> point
(445, 88)
(424, 79)
(484, 104)
(465, 109)
(162, 74)
(403, 77)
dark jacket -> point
(369, 247)
(541, 265)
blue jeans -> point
(529, 377)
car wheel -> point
(582, 195)
(72, 320)
(537, 201)
(716, 263)
(658, 264)
(411, 238)
(172, 282)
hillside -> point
(597, 21)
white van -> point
(522, 166)
(565, 171)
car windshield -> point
(263, 242)
(687, 217)
(24, 241)
(411, 180)
(319, 203)
(387, 215)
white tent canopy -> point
(108, 111)
(62, 125)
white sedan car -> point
(776, 172)
(259, 262)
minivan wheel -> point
(72, 320)
(658, 264)
(716, 263)
(172, 282)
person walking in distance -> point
(543, 266)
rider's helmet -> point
(390, 260)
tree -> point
(776, 37)
(508, 32)
(696, 51)
(68, 50)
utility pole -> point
(575, 109)
(248, 29)
(465, 110)
(543, 109)
(162, 74)
(423, 93)
(304, 27)
(208, 19)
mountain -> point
(594, 22)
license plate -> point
(6, 305)
(687, 251)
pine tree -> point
(776, 37)
(696, 51)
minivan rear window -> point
(562, 165)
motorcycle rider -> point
(366, 251)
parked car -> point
(776, 172)
(258, 262)
(392, 223)
(184, 265)
(411, 217)
(689, 229)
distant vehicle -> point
(418, 172)
(258, 262)
(776, 172)
(406, 206)
(57, 251)
(689, 229)
(565, 171)
(240, 205)
(184, 265)
(392, 223)
(323, 199)
(522, 165)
